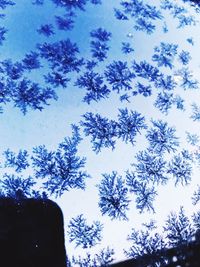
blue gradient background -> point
(50, 126)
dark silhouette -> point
(31, 233)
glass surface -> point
(100, 113)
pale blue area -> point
(50, 126)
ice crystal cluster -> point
(125, 77)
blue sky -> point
(50, 126)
